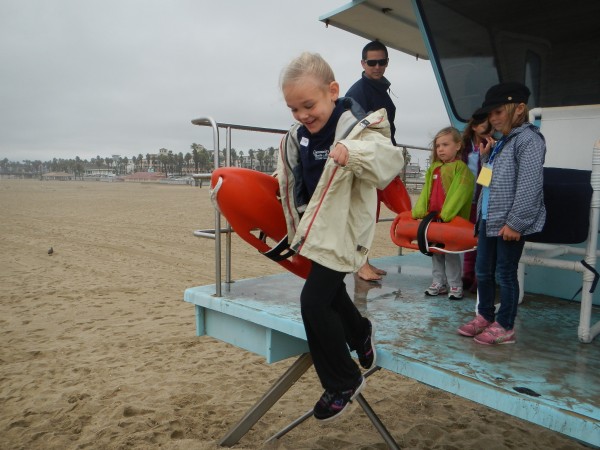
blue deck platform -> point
(557, 376)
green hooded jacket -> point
(458, 183)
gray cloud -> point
(128, 76)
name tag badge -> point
(485, 175)
(304, 142)
(321, 154)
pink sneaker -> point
(474, 327)
(495, 334)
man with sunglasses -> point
(371, 93)
(372, 90)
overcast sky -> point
(103, 77)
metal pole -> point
(228, 236)
(363, 404)
(217, 213)
(586, 333)
(387, 437)
(255, 413)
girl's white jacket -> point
(337, 226)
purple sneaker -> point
(332, 404)
(366, 352)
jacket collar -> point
(382, 85)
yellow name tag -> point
(485, 176)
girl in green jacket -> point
(448, 191)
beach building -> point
(58, 176)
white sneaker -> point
(436, 289)
(456, 293)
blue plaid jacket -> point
(516, 189)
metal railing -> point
(212, 233)
(550, 254)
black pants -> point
(332, 323)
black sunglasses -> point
(374, 62)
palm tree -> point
(187, 158)
(179, 163)
(198, 151)
(163, 161)
(260, 156)
(234, 157)
(78, 167)
(204, 160)
(196, 158)
(251, 155)
(37, 166)
(109, 162)
(271, 151)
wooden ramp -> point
(548, 377)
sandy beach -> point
(99, 349)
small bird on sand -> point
(50, 251)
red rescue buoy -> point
(395, 196)
(456, 236)
(249, 201)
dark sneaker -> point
(332, 405)
(366, 351)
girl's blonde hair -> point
(456, 137)
(307, 64)
(515, 121)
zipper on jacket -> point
(308, 228)
(283, 151)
